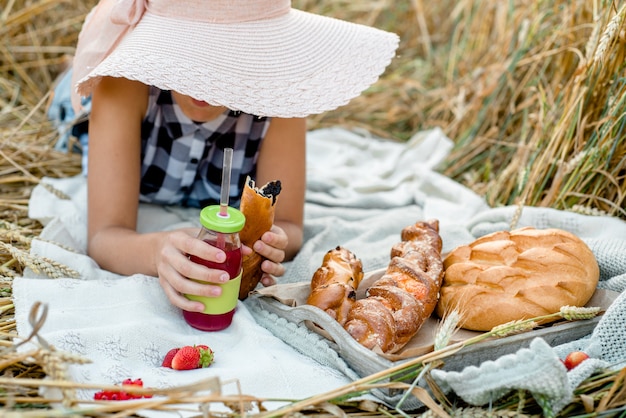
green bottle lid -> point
(211, 219)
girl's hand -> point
(272, 246)
(174, 269)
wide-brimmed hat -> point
(261, 57)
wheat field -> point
(531, 92)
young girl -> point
(174, 82)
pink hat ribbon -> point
(104, 28)
(128, 12)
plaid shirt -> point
(181, 160)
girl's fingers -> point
(175, 257)
(178, 299)
(275, 269)
(268, 280)
(179, 275)
(176, 286)
(276, 237)
(182, 284)
(187, 245)
(269, 252)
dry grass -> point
(531, 92)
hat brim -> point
(289, 66)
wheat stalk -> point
(16, 235)
(574, 313)
(446, 329)
(39, 264)
(592, 42)
(609, 35)
(584, 210)
(513, 327)
(56, 192)
(7, 273)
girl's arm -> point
(118, 107)
(283, 157)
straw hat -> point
(257, 56)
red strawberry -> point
(186, 358)
(167, 361)
(574, 358)
(121, 395)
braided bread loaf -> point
(334, 284)
(399, 302)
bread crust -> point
(334, 283)
(258, 205)
(509, 276)
(400, 301)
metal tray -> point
(365, 362)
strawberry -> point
(121, 395)
(186, 358)
(132, 382)
(167, 361)
(206, 355)
(574, 358)
(189, 357)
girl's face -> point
(197, 110)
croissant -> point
(398, 303)
(258, 206)
(334, 283)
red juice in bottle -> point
(221, 232)
(232, 265)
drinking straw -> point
(228, 163)
(225, 193)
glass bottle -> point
(221, 231)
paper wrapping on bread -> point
(258, 206)
(398, 303)
(508, 276)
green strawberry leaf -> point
(206, 357)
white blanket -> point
(361, 192)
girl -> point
(174, 82)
